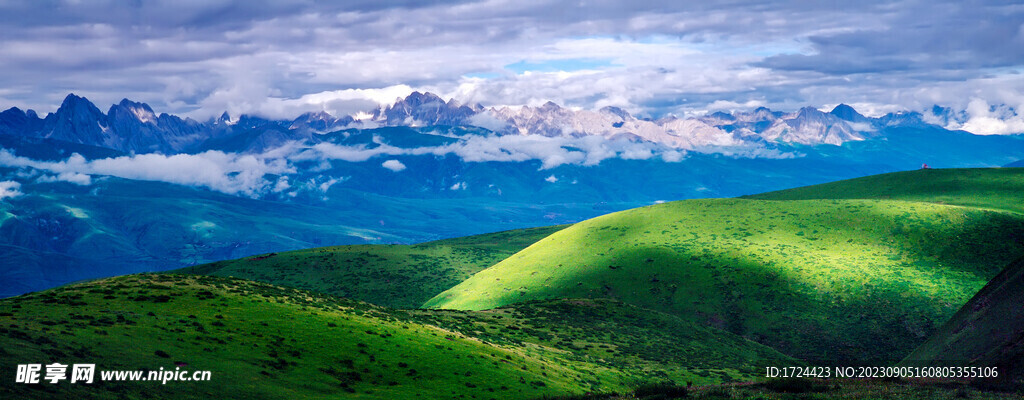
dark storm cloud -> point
(216, 15)
(924, 36)
(279, 58)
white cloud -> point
(728, 105)
(254, 175)
(350, 153)
(354, 102)
(487, 121)
(227, 173)
(9, 189)
(983, 120)
(281, 185)
(72, 177)
(326, 185)
(393, 165)
(550, 151)
(673, 156)
(281, 59)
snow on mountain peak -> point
(141, 111)
(132, 126)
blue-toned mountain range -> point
(88, 194)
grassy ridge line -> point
(987, 331)
(402, 276)
(992, 188)
(645, 345)
(265, 341)
(817, 279)
(260, 341)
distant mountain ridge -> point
(134, 127)
(127, 126)
(321, 179)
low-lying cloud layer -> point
(983, 119)
(9, 189)
(227, 173)
(278, 171)
(550, 151)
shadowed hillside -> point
(270, 342)
(401, 276)
(817, 279)
(987, 331)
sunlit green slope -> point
(996, 188)
(816, 279)
(270, 342)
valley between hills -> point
(917, 267)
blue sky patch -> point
(567, 65)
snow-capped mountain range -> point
(134, 127)
(80, 205)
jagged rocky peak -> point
(811, 114)
(224, 119)
(319, 121)
(946, 116)
(723, 116)
(811, 126)
(417, 99)
(765, 113)
(718, 118)
(134, 105)
(74, 105)
(316, 116)
(12, 111)
(130, 109)
(133, 126)
(848, 113)
(78, 108)
(246, 121)
(72, 99)
(77, 121)
(616, 111)
(426, 109)
(13, 114)
(811, 117)
(549, 106)
(758, 115)
(454, 103)
(14, 121)
(904, 118)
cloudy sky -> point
(280, 58)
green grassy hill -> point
(402, 276)
(815, 279)
(703, 291)
(987, 331)
(270, 342)
(644, 345)
(995, 188)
